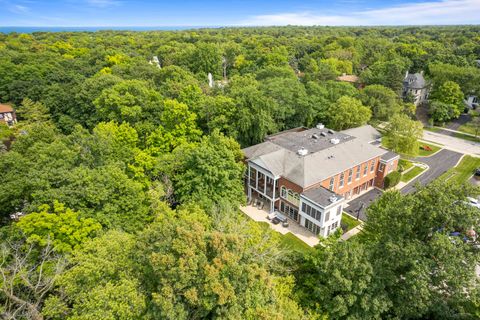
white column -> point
(272, 207)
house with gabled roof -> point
(7, 115)
(414, 84)
(309, 174)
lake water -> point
(91, 29)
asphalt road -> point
(438, 163)
(366, 199)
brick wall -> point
(355, 183)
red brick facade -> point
(371, 178)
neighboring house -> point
(7, 115)
(308, 174)
(415, 84)
(350, 78)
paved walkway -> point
(452, 143)
(350, 233)
(299, 231)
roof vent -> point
(334, 141)
(315, 136)
(331, 131)
(320, 126)
(323, 133)
(333, 199)
(302, 152)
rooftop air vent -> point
(315, 136)
(320, 126)
(331, 131)
(333, 199)
(334, 141)
(324, 134)
(302, 152)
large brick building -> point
(308, 174)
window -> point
(350, 173)
(381, 167)
(312, 212)
(327, 216)
(342, 177)
(283, 192)
(339, 210)
(365, 169)
(332, 182)
(372, 167)
(357, 174)
(312, 227)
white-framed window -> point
(350, 174)
(357, 174)
(372, 167)
(339, 210)
(283, 192)
(332, 183)
(342, 177)
(381, 167)
(365, 169)
(327, 216)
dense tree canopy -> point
(124, 177)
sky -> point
(115, 13)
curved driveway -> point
(438, 164)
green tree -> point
(450, 93)
(129, 101)
(101, 282)
(383, 101)
(210, 172)
(402, 134)
(62, 227)
(346, 113)
(194, 271)
(178, 126)
(339, 282)
(442, 112)
(424, 267)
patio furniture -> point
(285, 224)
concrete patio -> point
(293, 227)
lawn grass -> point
(407, 176)
(288, 241)
(404, 165)
(349, 221)
(462, 172)
(466, 137)
(421, 153)
(291, 242)
(425, 153)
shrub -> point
(392, 179)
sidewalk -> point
(456, 131)
(350, 233)
(452, 143)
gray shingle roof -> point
(389, 156)
(414, 81)
(321, 196)
(366, 133)
(323, 160)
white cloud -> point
(103, 3)
(17, 8)
(440, 12)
